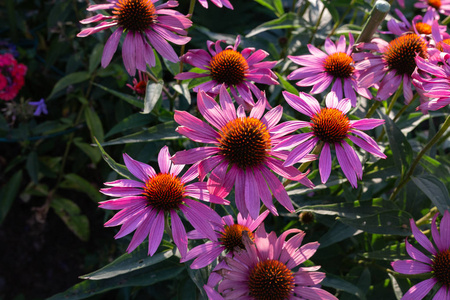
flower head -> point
(440, 6)
(237, 70)
(438, 265)
(265, 270)
(322, 69)
(144, 203)
(419, 25)
(229, 239)
(331, 127)
(145, 25)
(240, 151)
(41, 108)
(12, 77)
(394, 63)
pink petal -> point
(156, 233)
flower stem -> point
(316, 27)
(190, 13)
(414, 164)
(425, 219)
(336, 25)
(377, 15)
(372, 109)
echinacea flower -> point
(145, 25)
(265, 270)
(240, 152)
(229, 239)
(237, 70)
(394, 63)
(218, 3)
(419, 25)
(11, 77)
(331, 127)
(441, 6)
(145, 204)
(334, 67)
(41, 108)
(438, 265)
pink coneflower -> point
(441, 6)
(218, 3)
(419, 25)
(265, 270)
(241, 152)
(394, 63)
(229, 239)
(237, 70)
(145, 25)
(438, 266)
(331, 127)
(139, 86)
(12, 77)
(145, 203)
(321, 69)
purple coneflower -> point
(441, 6)
(438, 266)
(331, 127)
(419, 25)
(321, 69)
(143, 204)
(237, 70)
(240, 153)
(229, 239)
(265, 270)
(218, 3)
(145, 25)
(394, 63)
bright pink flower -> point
(144, 203)
(139, 86)
(218, 3)
(441, 6)
(237, 70)
(321, 69)
(393, 64)
(240, 153)
(331, 127)
(12, 77)
(229, 239)
(145, 25)
(437, 265)
(265, 270)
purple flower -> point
(237, 70)
(144, 204)
(145, 25)
(441, 6)
(229, 239)
(438, 265)
(41, 108)
(420, 25)
(331, 127)
(321, 69)
(218, 3)
(265, 270)
(240, 153)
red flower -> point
(11, 77)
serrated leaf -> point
(131, 122)
(286, 21)
(128, 98)
(160, 132)
(70, 79)
(94, 123)
(152, 94)
(435, 190)
(8, 194)
(71, 215)
(75, 182)
(32, 166)
(130, 262)
(118, 168)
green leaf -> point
(90, 151)
(130, 262)
(173, 68)
(289, 20)
(435, 190)
(8, 194)
(75, 182)
(183, 89)
(33, 166)
(160, 132)
(157, 69)
(137, 120)
(401, 149)
(128, 98)
(95, 58)
(94, 123)
(70, 79)
(286, 85)
(343, 285)
(118, 168)
(389, 253)
(71, 215)
(338, 232)
(152, 94)
(143, 277)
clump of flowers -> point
(145, 26)
(12, 77)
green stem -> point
(394, 99)
(425, 219)
(377, 15)
(433, 141)
(336, 25)
(372, 109)
(316, 27)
